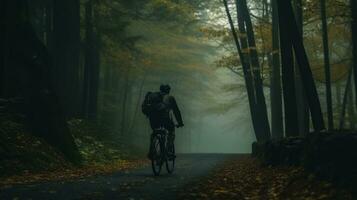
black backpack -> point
(153, 103)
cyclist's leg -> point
(151, 147)
(170, 126)
(154, 123)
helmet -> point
(165, 88)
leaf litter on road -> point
(245, 178)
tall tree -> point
(29, 57)
(351, 109)
(91, 65)
(353, 5)
(2, 45)
(290, 38)
(345, 99)
(275, 91)
(287, 59)
(66, 48)
(301, 100)
(260, 135)
(327, 64)
(247, 67)
(255, 67)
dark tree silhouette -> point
(91, 66)
(327, 64)
(353, 5)
(301, 100)
(293, 39)
(275, 91)
(26, 55)
(65, 49)
(259, 125)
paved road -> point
(132, 185)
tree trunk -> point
(124, 108)
(291, 36)
(258, 83)
(91, 67)
(351, 109)
(345, 97)
(287, 59)
(275, 91)
(2, 45)
(246, 66)
(301, 100)
(261, 136)
(327, 65)
(137, 106)
(43, 112)
(66, 46)
(353, 5)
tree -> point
(261, 134)
(353, 6)
(255, 67)
(91, 66)
(301, 101)
(327, 65)
(345, 99)
(29, 56)
(275, 91)
(65, 50)
(292, 39)
(289, 92)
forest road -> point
(132, 185)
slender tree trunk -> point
(258, 83)
(292, 37)
(353, 5)
(276, 96)
(260, 135)
(327, 65)
(287, 59)
(301, 99)
(124, 109)
(246, 62)
(91, 66)
(66, 46)
(351, 109)
(338, 94)
(137, 106)
(2, 45)
(345, 97)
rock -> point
(331, 156)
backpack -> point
(153, 103)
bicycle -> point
(162, 151)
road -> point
(132, 185)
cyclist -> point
(160, 107)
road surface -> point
(132, 185)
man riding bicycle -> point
(159, 107)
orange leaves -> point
(245, 178)
(72, 173)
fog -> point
(212, 100)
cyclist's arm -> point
(176, 110)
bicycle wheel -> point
(170, 159)
(156, 161)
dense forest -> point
(74, 73)
(95, 60)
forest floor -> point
(246, 178)
(197, 176)
(26, 159)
